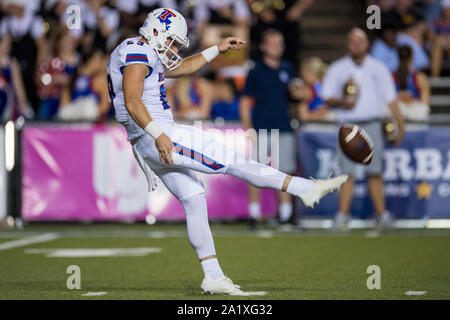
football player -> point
(174, 152)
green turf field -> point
(299, 265)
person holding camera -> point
(358, 87)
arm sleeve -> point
(386, 84)
(330, 87)
(250, 85)
(136, 52)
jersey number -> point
(162, 97)
(112, 95)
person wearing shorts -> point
(375, 90)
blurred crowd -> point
(53, 66)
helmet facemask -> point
(168, 56)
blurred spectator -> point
(420, 58)
(432, 10)
(403, 13)
(28, 43)
(56, 72)
(190, 98)
(412, 29)
(134, 12)
(385, 47)
(312, 107)
(283, 16)
(226, 98)
(100, 20)
(13, 99)
(199, 98)
(87, 97)
(360, 86)
(217, 19)
(214, 20)
(412, 87)
(268, 86)
(441, 41)
(385, 5)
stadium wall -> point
(416, 173)
(88, 173)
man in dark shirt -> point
(266, 89)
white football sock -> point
(254, 210)
(285, 209)
(211, 267)
(257, 174)
(298, 186)
(197, 224)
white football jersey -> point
(134, 51)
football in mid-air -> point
(356, 143)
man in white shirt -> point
(373, 88)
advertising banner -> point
(416, 173)
(86, 172)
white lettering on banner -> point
(117, 175)
(397, 190)
(397, 165)
(446, 174)
(444, 190)
(428, 164)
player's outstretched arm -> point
(133, 85)
(195, 62)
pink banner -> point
(88, 173)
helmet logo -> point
(165, 16)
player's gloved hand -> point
(230, 43)
(165, 149)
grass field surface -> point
(157, 262)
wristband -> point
(153, 129)
(211, 53)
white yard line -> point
(92, 294)
(27, 241)
(415, 293)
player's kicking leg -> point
(182, 182)
(198, 150)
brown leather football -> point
(356, 143)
